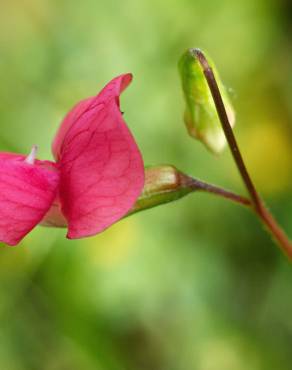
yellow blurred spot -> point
(113, 246)
(228, 354)
(267, 151)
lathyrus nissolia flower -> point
(96, 178)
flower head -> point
(96, 179)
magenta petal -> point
(26, 193)
(101, 168)
(112, 90)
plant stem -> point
(213, 189)
(258, 204)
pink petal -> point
(112, 90)
(26, 193)
(102, 172)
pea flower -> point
(96, 178)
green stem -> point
(213, 189)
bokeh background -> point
(193, 285)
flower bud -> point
(200, 116)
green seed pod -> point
(200, 116)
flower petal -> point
(26, 193)
(101, 168)
(113, 89)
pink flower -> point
(96, 179)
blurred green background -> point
(194, 285)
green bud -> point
(200, 116)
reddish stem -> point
(258, 204)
